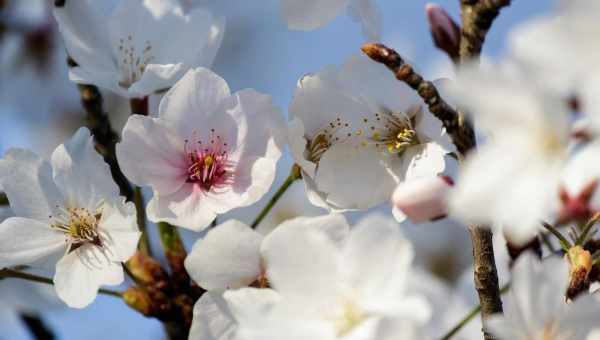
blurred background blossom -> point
(39, 109)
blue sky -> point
(259, 52)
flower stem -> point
(294, 175)
(3, 199)
(586, 230)
(9, 273)
(470, 316)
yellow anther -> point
(208, 161)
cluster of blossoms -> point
(359, 137)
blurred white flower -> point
(129, 47)
(356, 132)
(332, 292)
(69, 207)
(230, 257)
(513, 179)
(306, 15)
(537, 308)
(209, 151)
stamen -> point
(80, 226)
(209, 164)
(132, 64)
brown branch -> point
(461, 134)
(104, 136)
(477, 18)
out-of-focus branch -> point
(3, 199)
(106, 139)
(175, 254)
(477, 18)
(37, 327)
(462, 134)
(10, 273)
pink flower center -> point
(208, 163)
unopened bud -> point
(147, 270)
(444, 31)
(423, 199)
(138, 299)
(576, 207)
(580, 266)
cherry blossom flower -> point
(422, 199)
(231, 257)
(537, 308)
(311, 14)
(209, 151)
(514, 178)
(67, 207)
(358, 124)
(232, 254)
(328, 291)
(128, 47)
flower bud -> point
(147, 270)
(445, 32)
(138, 299)
(580, 266)
(423, 199)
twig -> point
(294, 175)
(477, 18)
(470, 316)
(9, 273)
(175, 254)
(3, 199)
(462, 134)
(106, 139)
(37, 327)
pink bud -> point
(423, 199)
(445, 32)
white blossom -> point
(537, 307)
(328, 291)
(69, 207)
(209, 151)
(513, 178)
(231, 256)
(358, 124)
(308, 15)
(136, 47)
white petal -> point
(194, 98)
(187, 208)
(367, 12)
(120, 223)
(424, 160)
(82, 26)
(23, 241)
(297, 144)
(76, 283)
(333, 225)
(247, 304)
(382, 282)
(156, 78)
(310, 14)
(372, 184)
(212, 319)
(74, 163)
(27, 180)
(150, 153)
(298, 260)
(228, 257)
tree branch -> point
(104, 136)
(477, 18)
(37, 327)
(461, 134)
(9, 273)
